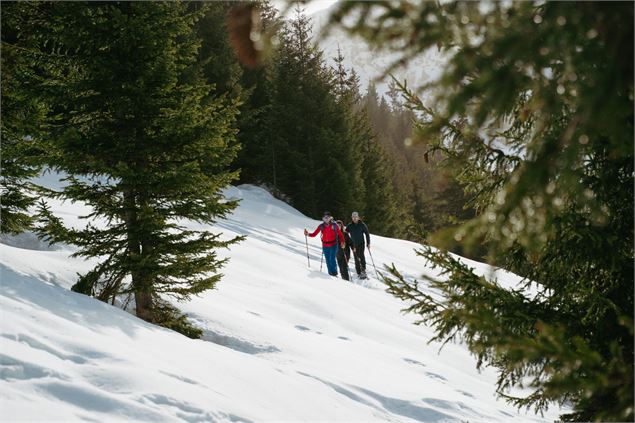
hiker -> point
(343, 254)
(331, 234)
(357, 229)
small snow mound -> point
(233, 193)
(256, 192)
(257, 201)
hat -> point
(326, 213)
(355, 214)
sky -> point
(311, 8)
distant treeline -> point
(317, 139)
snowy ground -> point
(282, 342)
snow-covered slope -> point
(282, 342)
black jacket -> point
(348, 245)
(357, 232)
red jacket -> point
(331, 233)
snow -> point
(282, 342)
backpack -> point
(334, 231)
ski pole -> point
(322, 256)
(306, 241)
(355, 260)
(348, 268)
(321, 259)
(371, 258)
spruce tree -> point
(257, 157)
(353, 190)
(536, 108)
(392, 150)
(219, 65)
(146, 142)
(22, 113)
(306, 125)
(374, 189)
(381, 210)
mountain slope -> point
(281, 341)
(370, 62)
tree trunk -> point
(143, 302)
(143, 297)
(140, 285)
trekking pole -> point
(306, 241)
(322, 256)
(355, 262)
(348, 268)
(321, 259)
(371, 258)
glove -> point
(306, 232)
(342, 245)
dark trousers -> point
(342, 262)
(360, 259)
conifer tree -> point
(374, 189)
(390, 147)
(257, 157)
(22, 113)
(219, 65)
(353, 190)
(146, 142)
(538, 115)
(306, 124)
(381, 211)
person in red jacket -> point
(331, 237)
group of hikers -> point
(338, 242)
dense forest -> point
(321, 141)
(305, 128)
(149, 112)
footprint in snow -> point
(415, 362)
(467, 394)
(436, 376)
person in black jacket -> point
(357, 230)
(343, 254)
